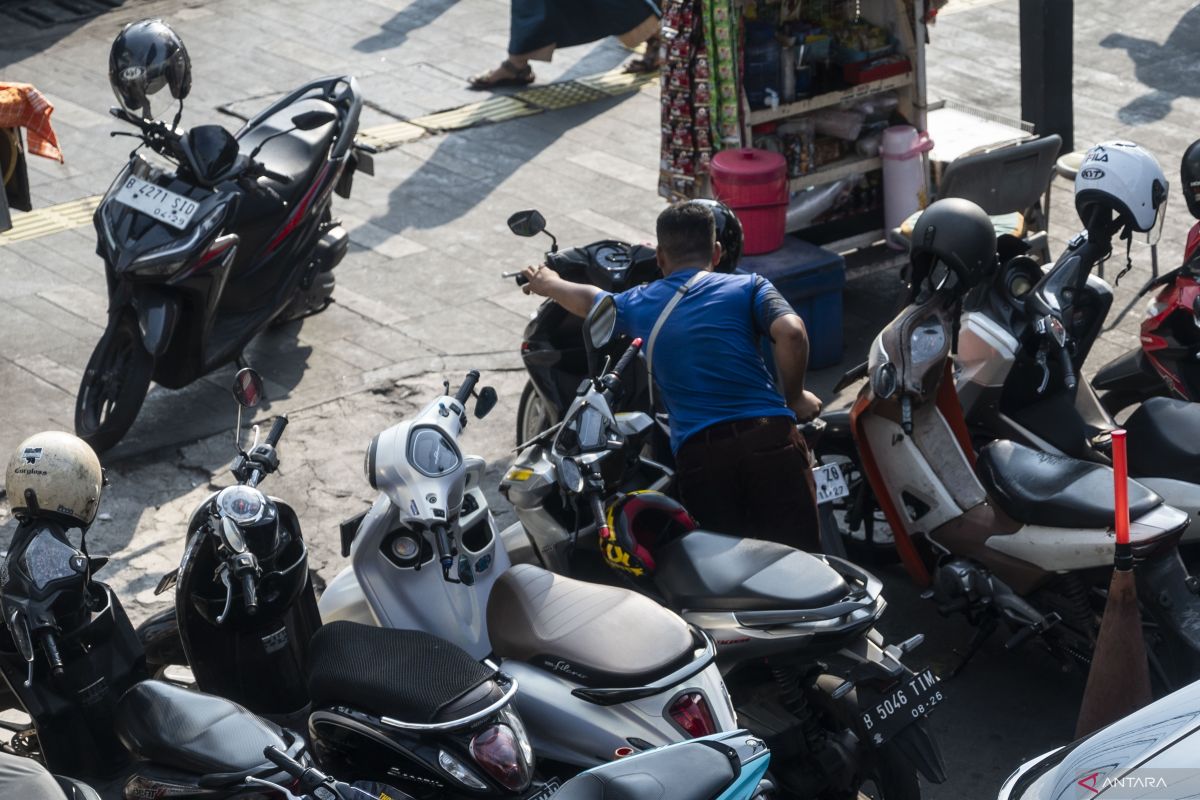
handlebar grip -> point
(1068, 368)
(281, 422)
(468, 386)
(522, 280)
(281, 760)
(277, 177)
(250, 590)
(50, 645)
(627, 356)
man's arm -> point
(791, 362)
(578, 298)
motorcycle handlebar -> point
(280, 423)
(627, 356)
(250, 590)
(468, 386)
(50, 646)
(1068, 369)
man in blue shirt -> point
(743, 467)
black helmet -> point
(145, 57)
(958, 234)
(729, 233)
(1189, 174)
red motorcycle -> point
(1168, 362)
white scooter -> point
(602, 672)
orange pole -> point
(1121, 487)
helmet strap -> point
(31, 502)
(178, 115)
(1127, 235)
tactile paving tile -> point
(51, 219)
(495, 109)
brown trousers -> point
(751, 478)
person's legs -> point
(777, 489)
(532, 33)
(708, 484)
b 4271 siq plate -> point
(164, 205)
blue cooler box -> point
(811, 278)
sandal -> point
(507, 74)
(649, 62)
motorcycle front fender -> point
(157, 314)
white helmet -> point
(54, 474)
(1125, 183)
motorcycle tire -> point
(534, 414)
(114, 386)
(891, 775)
(877, 547)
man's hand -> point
(806, 407)
(541, 280)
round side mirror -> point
(247, 388)
(527, 223)
(569, 476)
(485, 402)
(601, 323)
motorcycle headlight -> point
(168, 258)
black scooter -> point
(245, 607)
(201, 258)
(552, 347)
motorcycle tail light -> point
(504, 752)
(690, 712)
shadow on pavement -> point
(1168, 70)
(395, 31)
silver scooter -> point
(795, 631)
(602, 672)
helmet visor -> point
(1152, 236)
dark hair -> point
(686, 231)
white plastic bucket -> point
(903, 172)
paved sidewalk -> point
(419, 296)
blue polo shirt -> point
(708, 368)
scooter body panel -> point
(575, 731)
(343, 599)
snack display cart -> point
(817, 81)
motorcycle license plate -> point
(548, 789)
(164, 205)
(908, 702)
(830, 483)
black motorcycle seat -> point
(411, 676)
(190, 731)
(679, 772)
(585, 632)
(298, 154)
(1042, 489)
(702, 570)
(1164, 440)
(71, 789)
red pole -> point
(1121, 486)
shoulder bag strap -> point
(658, 323)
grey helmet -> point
(146, 57)
(953, 245)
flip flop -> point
(517, 77)
(650, 62)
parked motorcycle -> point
(1165, 363)
(203, 255)
(245, 608)
(1009, 535)
(551, 347)
(797, 646)
(603, 671)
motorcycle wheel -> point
(534, 414)
(865, 533)
(114, 386)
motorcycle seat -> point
(1164, 439)
(585, 632)
(1038, 488)
(298, 154)
(412, 676)
(658, 774)
(702, 571)
(197, 733)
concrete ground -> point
(419, 296)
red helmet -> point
(638, 524)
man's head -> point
(687, 238)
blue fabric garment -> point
(534, 24)
(707, 365)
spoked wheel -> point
(866, 534)
(534, 414)
(114, 386)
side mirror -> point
(527, 223)
(485, 402)
(569, 476)
(247, 388)
(311, 120)
(600, 323)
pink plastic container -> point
(754, 184)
